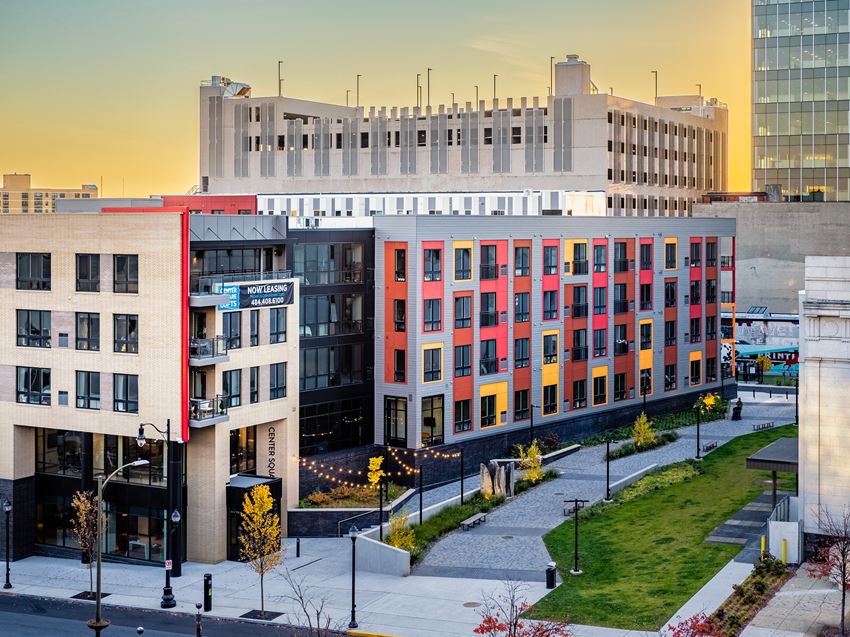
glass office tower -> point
(801, 88)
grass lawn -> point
(643, 559)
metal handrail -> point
(203, 284)
(208, 347)
(354, 517)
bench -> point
(475, 520)
(763, 425)
(709, 446)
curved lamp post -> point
(99, 623)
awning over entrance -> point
(780, 455)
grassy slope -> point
(644, 559)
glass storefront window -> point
(137, 533)
(58, 452)
(110, 452)
(243, 450)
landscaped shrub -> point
(629, 448)
(400, 535)
(317, 498)
(550, 442)
(531, 462)
(681, 472)
(523, 485)
(760, 586)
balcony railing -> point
(580, 353)
(621, 306)
(580, 267)
(489, 319)
(620, 348)
(489, 271)
(208, 347)
(207, 409)
(489, 366)
(580, 310)
(726, 262)
(205, 284)
(621, 265)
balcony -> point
(489, 319)
(580, 267)
(204, 290)
(207, 412)
(621, 306)
(620, 348)
(208, 351)
(489, 271)
(621, 265)
(670, 341)
(727, 262)
(580, 310)
(579, 353)
(489, 366)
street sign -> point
(167, 565)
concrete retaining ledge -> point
(549, 457)
(427, 512)
(629, 480)
(377, 557)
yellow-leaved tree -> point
(401, 536)
(705, 404)
(375, 472)
(260, 538)
(84, 528)
(764, 363)
(532, 462)
(642, 433)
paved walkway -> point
(746, 527)
(510, 544)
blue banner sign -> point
(256, 295)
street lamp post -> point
(168, 600)
(352, 533)
(608, 442)
(797, 400)
(99, 623)
(7, 509)
(578, 505)
(699, 457)
(531, 425)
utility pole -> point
(358, 89)
(476, 96)
(494, 86)
(279, 80)
(347, 93)
(418, 87)
(428, 102)
(655, 73)
(453, 99)
(551, 73)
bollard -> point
(784, 551)
(754, 393)
(762, 548)
(770, 392)
(298, 547)
(207, 592)
(199, 631)
(550, 575)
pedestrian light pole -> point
(98, 624)
(698, 457)
(578, 505)
(352, 533)
(531, 425)
(7, 509)
(608, 442)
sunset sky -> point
(109, 88)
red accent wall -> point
(552, 282)
(464, 386)
(713, 309)
(600, 280)
(498, 285)
(671, 314)
(230, 204)
(433, 289)
(394, 290)
(575, 370)
(696, 275)
(625, 363)
(522, 376)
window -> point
(580, 345)
(126, 331)
(600, 258)
(231, 324)
(489, 267)
(696, 331)
(645, 381)
(521, 261)
(463, 420)
(620, 386)
(488, 411)
(33, 271)
(395, 420)
(645, 256)
(88, 331)
(255, 328)
(600, 390)
(521, 312)
(33, 328)
(580, 301)
(710, 328)
(669, 333)
(125, 273)
(433, 266)
(399, 365)
(516, 134)
(331, 366)
(579, 394)
(600, 342)
(521, 406)
(489, 362)
(550, 260)
(579, 258)
(33, 384)
(645, 336)
(489, 315)
(711, 291)
(696, 372)
(711, 255)
(550, 349)
(399, 312)
(432, 420)
(254, 382)
(125, 393)
(463, 311)
(696, 287)
(231, 387)
(550, 400)
(88, 273)
(433, 315)
(696, 249)
(670, 294)
(646, 296)
(621, 257)
(600, 300)
(621, 301)
(550, 304)
(621, 340)
(463, 264)
(488, 136)
(670, 256)
(670, 377)
(88, 390)
(710, 370)
(463, 361)
(243, 450)
(433, 365)
(400, 265)
(277, 381)
(521, 353)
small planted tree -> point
(643, 433)
(260, 537)
(699, 625)
(833, 559)
(84, 528)
(501, 616)
(531, 461)
(375, 471)
(400, 535)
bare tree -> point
(310, 610)
(501, 616)
(84, 528)
(833, 559)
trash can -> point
(551, 572)
(207, 592)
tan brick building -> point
(17, 196)
(111, 322)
